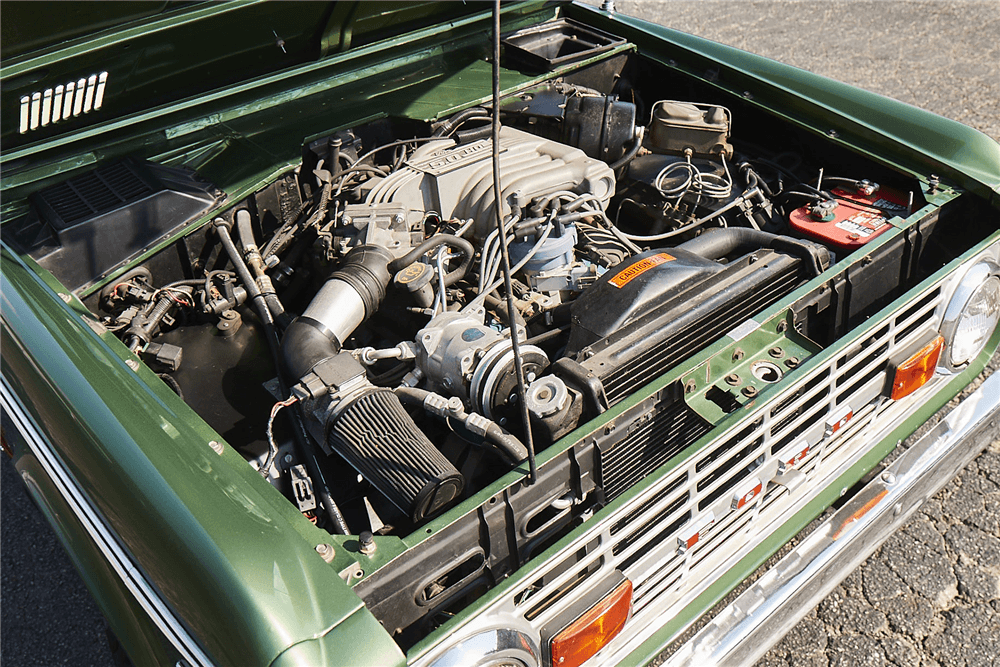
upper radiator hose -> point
(717, 243)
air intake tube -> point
(365, 424)
(349, 297)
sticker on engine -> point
(863, 223)
(639, 268)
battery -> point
(855, 219)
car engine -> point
(347, 327)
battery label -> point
(863, 223)
(639, 268)
(889, 206)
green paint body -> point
(226, 551)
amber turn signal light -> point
(914, 373)
(588, 634)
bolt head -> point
(325, 551)
(367, 542)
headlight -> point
(972, 315)
(493, 648)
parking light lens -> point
(914, 373)
(588, 634)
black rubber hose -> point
(244, 230)
(451, 123)
(222, 228)
(468, 136)
(434, 242)
(512, 448)
(506, 444)
(303, 449)
(629, 155)
(305, 344)
(718, 243)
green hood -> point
(124, 57)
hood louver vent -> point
(63, 102)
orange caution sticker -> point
(639, 268)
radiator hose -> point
(718, 243)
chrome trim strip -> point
(765, 612)
(144, 593)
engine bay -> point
(346, 327)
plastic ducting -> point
(349, 297)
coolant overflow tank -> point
(633, 288)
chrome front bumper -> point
(769, 609)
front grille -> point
(686, 341)
(641, 539)
(650, 443)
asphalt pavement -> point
(930, 597)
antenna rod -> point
(522, 391)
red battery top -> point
(855, 219)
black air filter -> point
(376, 436)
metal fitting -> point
(325, 551)
(367, 543)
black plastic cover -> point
(633, 288)
(545, 47)
(96, 222)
